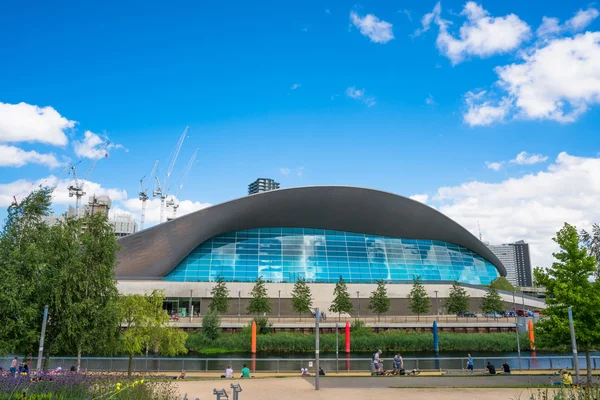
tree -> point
(419, 302)
(145, 324)
(211, 325)
(501, 283)
(220, 297)
(259, 303)
(458, 300)
(380, 302)
(492, 302)
(341, 299)
(568, 284)
(301, 297)
(592, 242)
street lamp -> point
(518, 343)
(573, 344)
(437, 304)
(279, 304)
(190, 307)
(358, 297)
(239, 304)
(317, 348)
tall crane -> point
(76, 188)
(171, 202)
(161, 191)
(144, 192)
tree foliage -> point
(220, 297)
(492, 301)
(301, 297)
(419, 301)
(568, 284)
(379, 301)
(211, 325)
(458, 300)
(501, 283)
(259, 303)
(145, 325)
(341, 298)
(592, 242)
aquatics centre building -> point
(316, 233)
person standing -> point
(469, 363)
(398, 362)
(13, 366)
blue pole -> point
(436, 344)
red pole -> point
(531, 335)
(347, 337)
(253, 337)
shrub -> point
(263, 326)
(211, 325)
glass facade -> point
(317, 255)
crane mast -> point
(144, 193)
(171, 202)
(76, 189)
(162, 190)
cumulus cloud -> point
(359, 94)
(284, 171)
(524, 158)
(375, 29)
(481, 35)
(532, 207)
(134, 206)
(581, 19)
(11, 156)
(29, 123)
(421, 198)
(558, 81)
(481, 111)
(91, 146)
(494, 166)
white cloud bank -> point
(581, 19)
(28, 123)
(532, 207)
(375, 29)
(11, 156)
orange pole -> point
(253, 337)
(531, 335)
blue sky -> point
(402, 96)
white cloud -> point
(581, 19)
(11, 156)
(483, 112)
(481, 35)
(91, 146)
(422, 198)
(134, 206)
(284, 171)
(372, 27)
(295, 86)
(28, 123)
(532, 207)
(494, 166)
(300, 171)
(408, 14)
(359, 94)
(430, 101)
(524, 158)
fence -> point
(342, 364)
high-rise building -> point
(516, 260)
(262, 185)
(124, 224)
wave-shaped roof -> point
(154, 252)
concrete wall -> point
(322, 295)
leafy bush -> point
(359, 328)
(211, 325)
(263, 326)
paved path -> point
(434, 381)
(302, 389)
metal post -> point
(574, 344)
(514, 305)
(190, 307)
(200, 310)
(279, 304)
(518, 345)
(337, 361)
(239, 304)
(437, 304)
(358, 297)
(523, 297)
(317, 349)
(41, 350)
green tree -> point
(220, 297)
(341, 299)
(492, 302)
(259, 303)
(568, 284)
(458, 300)
(501, 283)
(380, 302)
(211, 325)
(301, 297)
(592, 242)
(419, 302)
(145, 324)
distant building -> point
(516, 260)
(262, 185)
(124, 224)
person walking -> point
(377, 361)
(13, 366)
(469, 363)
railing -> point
(399, 319)
(342, 364)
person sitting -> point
(490, 369)
(321, 371)
(566, 379)
(304, 371)
(245, 372)
(505, 368)
(181, 376)
(229, 372)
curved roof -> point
(154, 252)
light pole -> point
(574, 344)
(358, 297)
(190, 307)
(239, 304)
(279, 304)
(316, 348)
(514, 305)
(518, 344)
(437, 304)
(42, 337)
(337, 364)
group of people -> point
(18, 368)
(397, 366)
(245, 372)
(489, 368)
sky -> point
(486, 111)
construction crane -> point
(161, 191)
(76, 189)
(171, 202)
(144, 192)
